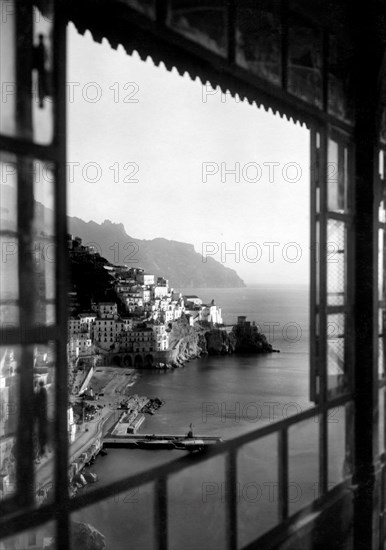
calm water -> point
(224, 396)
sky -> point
(155, 151)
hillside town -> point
(135, 329)
(120, 319)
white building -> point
(86, 321)
(160, 291)
(192, 300)
(161, 337)
(212, 314)
(145, 279)
(138, 340)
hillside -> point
(176, 261)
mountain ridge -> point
(175, 260)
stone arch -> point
(127, 361)
(149, 360)
(138, 361)
(116, 361)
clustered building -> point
(150, 307)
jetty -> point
(161, 441)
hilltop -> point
(176, 261)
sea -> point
(224, 396)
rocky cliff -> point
(192, 342)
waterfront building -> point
(161, 336)
(104, 332)
(108, 310)
(86, 321)
(211, 313)
(145, 278)
(138, 340)
(73, 325)
(192, 300)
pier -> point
(169, 441)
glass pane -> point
(382, 136)
(42, 75)
(258, 39)
(339, 62)
(303, 446)
(381, 358)
(337, 176)
(201, 22)
(9, 287)
(337, 378)
(257, 475)
(44, 242)
(381, 264)
(336, 262)
(381, 343)
(7, 65)
(147, 7)
(42, 537)
(8, 193)
(305, 62)
(123, 521)
(9, 400)
(197, 506)
(382, 206)
(27, 72)
(381, 422)
(44, 421)
(13, 362)
(339, 458)
(37, 228)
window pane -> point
(381, 423)
(197, 506)
(36, 250)
(305, 62)
(382, 176)
(9, 287)
(44, 421)
(127, 516)
(42, 75)
(339, 459)
(381, 265)
(336, 262)
(27, 91)
(44, 242)
(336, 370)
(9, 402)
(337, 176)
(41, 409)
(7, 64)
(42, 537)
(303, 446)
(257, 474)
(202, 22)
(258, 40)
(381, 343)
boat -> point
(191, 445)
